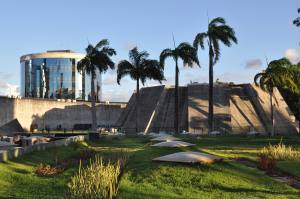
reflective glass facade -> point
(56, 78)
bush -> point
(47, 170)
(268, 164)
(278, 152)
(97, 180)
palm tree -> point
(97, 59)
(217, 32)
(277, 73)
(139, 68)
(188, 54)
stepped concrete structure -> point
(238, 109)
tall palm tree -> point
(97, 60)
(188, 54)
(218, 32)
(139, 68)
(277, 73)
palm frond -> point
(152, 70)
(83, 64)
(89, 49)
(124, 68)
(166, 53)
(199, 40)
(102, 43)
(136, 57)
(257, 77)
(216, 50)
(217, 20)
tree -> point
(296, 21)
(217, 32)
(97, 59)
(276, 74)
(139, 68)
(188, 54)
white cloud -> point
(8, 89)
(293, 55)
(234, 77)
(192, 77)
(110, 79)
(116, 95)
(253, 63)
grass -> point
(143, 178)
(146, 179)
(17, 179)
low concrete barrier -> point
(19, 151)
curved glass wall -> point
(56, 78)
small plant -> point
(47, 170)
(278, 152)
(97, 180)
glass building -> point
(54, 75)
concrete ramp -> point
(243, 114)
(164, 115)
(149, 97)
(284, 119)
(126, 111)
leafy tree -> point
(276, 74)
(188, 54)
(139, 68)
(97, 60)
(297, 20)
(218, 32)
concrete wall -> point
(53, 113)
(283, 117)
(19, 151)
(238, 109)
(244, 117)
(198, 108)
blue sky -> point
(263, 27)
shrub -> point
(278, 152)
(268, 164)
(47, 170)
(97, 180)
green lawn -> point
(17, 179)
(144, 178)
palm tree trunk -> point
(93, 108)
(210, 93)
(176, 114)
(272, 112)
(137, 104)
